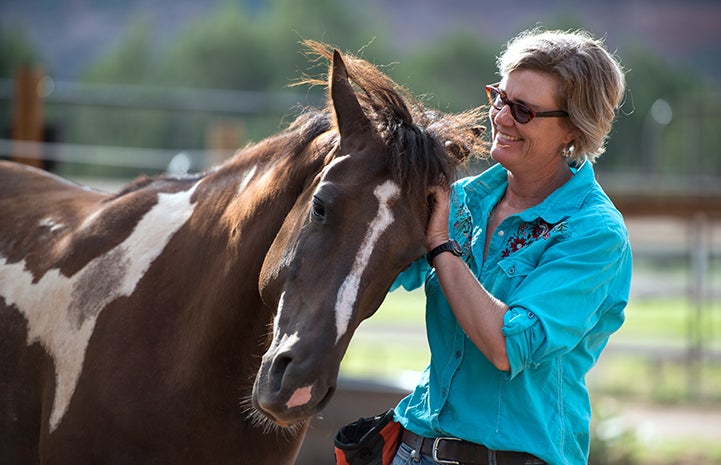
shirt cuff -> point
(521, 328)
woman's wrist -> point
(436, 241)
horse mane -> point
(424, 143)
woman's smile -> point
(503, 137)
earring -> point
(567, 151)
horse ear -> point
(348, 112)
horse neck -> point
(241, 207)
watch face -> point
(456, 248)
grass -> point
(646, 358)
(392, 341)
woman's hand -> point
(437, 228)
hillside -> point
(73, 33)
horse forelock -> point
(425, 146)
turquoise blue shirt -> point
(563, 268)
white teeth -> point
(507, 137)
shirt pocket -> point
(515, 267)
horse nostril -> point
(280, 365)
(328, 396)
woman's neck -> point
(527, 190)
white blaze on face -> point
(283, 344)
(348, 292)
(61, 312)
(287, 341)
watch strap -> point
(449, 246)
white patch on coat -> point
(51, 224)
(61, 312)
(246, 179)
(348, 292)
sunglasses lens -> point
(495, 98)
(521, 113)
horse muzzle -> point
(288, 391)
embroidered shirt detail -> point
(463, 229)
(528, 233)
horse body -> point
(199, 320)
(135, 360)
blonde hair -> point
(591, 81)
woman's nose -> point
(503, 116)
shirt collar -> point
(486, 190)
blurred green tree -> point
(255, 46)
(451, 71)
(16, 50)
(133, 62)
(224, 50)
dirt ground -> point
(656, 423)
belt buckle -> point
(436, 442)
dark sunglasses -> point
(519, 111)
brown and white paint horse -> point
(203, 319)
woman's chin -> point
(500, 152)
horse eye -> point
(318, 209)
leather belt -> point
(454, 451)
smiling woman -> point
(538, 271)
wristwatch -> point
(450, 246)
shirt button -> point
(512, 270)
(531, 315)
(458, 354)
(501, 233)
(443, 392)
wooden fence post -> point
(223, 138)
(27, 122)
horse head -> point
(357, 224)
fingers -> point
(437, 228)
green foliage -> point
(231, 48)
(452, 70)
(235, 49)
(16, 50)
(225, 50)
(254, 46)
(636, 135)
(132, 62)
